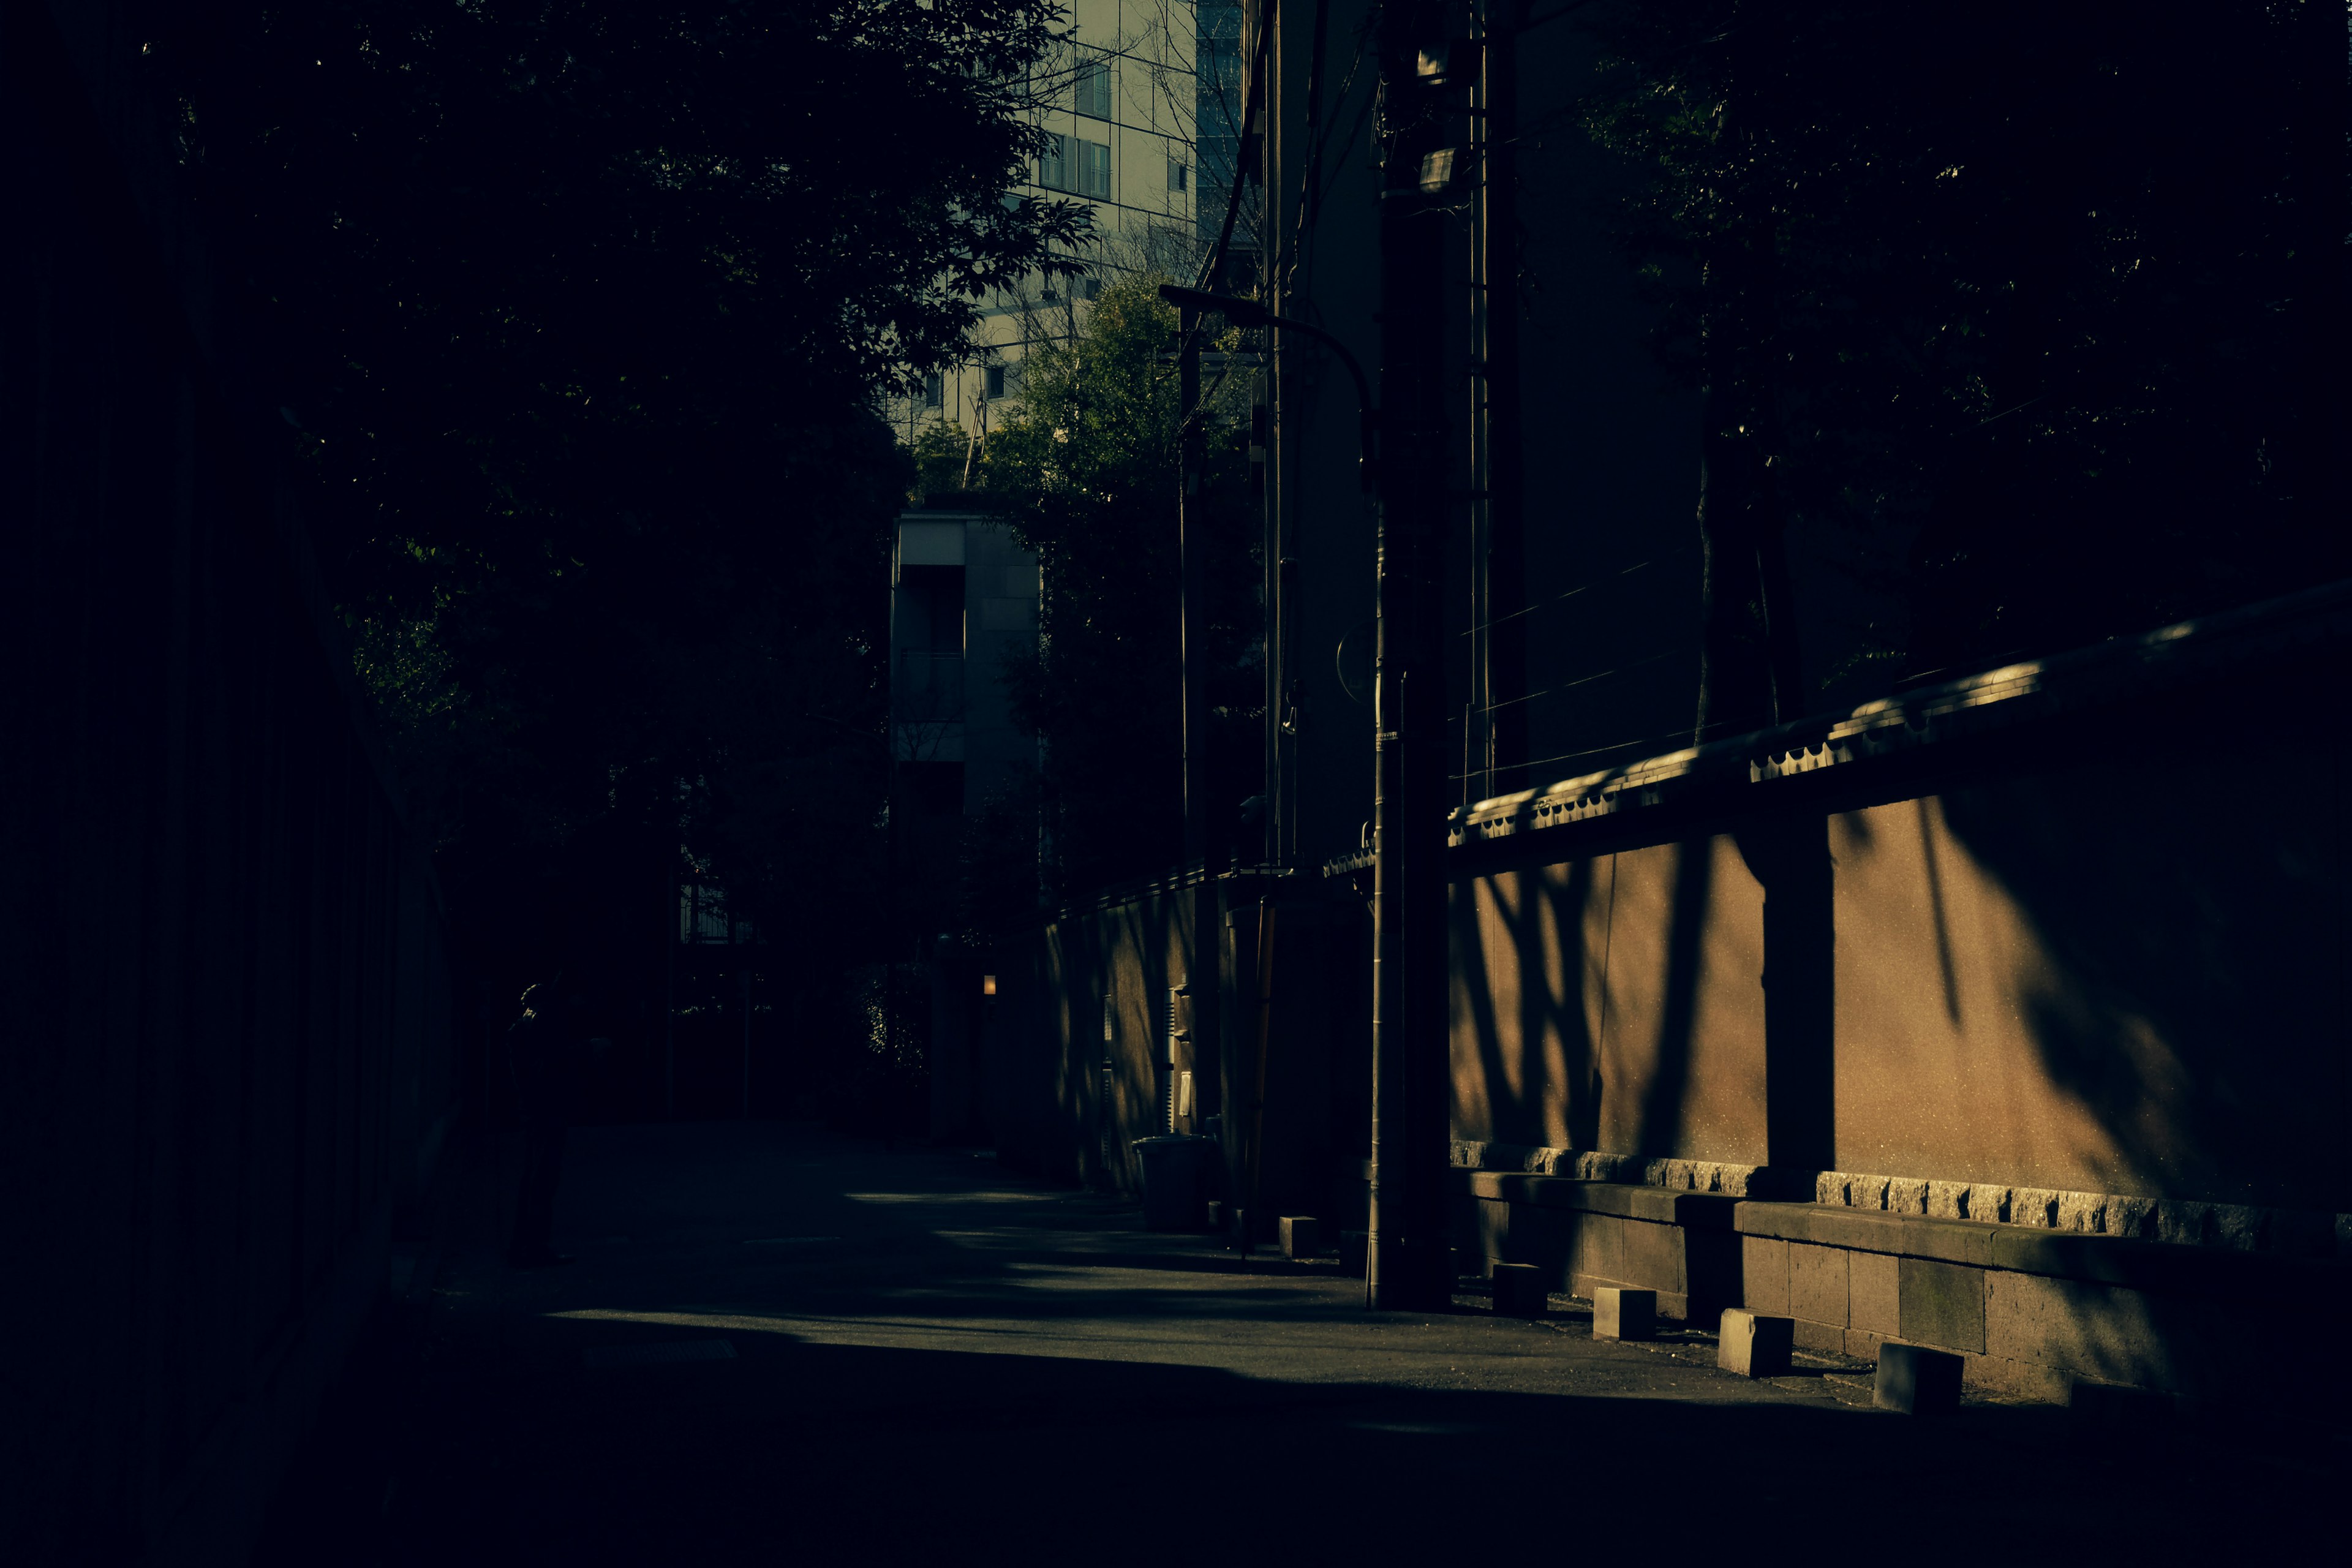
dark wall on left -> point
(226, 1022)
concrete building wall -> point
(1066, 1101)
(1079, 1063)
(964, 601)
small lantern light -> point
(988, 985)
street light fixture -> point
(1244, 312)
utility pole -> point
(1409, 1265)
(1252, 314)
(1199, 983)
(1500, 545)
(1192, 550)
(675, 901)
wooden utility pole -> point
(1199, 984)
(1498, 488)
(676, 903)
(1410, 1265)
(1242, 312)
(1192, 550)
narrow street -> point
(775, 1342)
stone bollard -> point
(1302, 1237)
(1622, 1314)
(1755, 1346)
(1519, 1290)
(1916, 1380)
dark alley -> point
(990, 780)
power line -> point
(1682, 736)
(1542, 603)
(1581, 680)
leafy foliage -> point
(943, 457)
(1089, 471)
(2041, 292)
(580, 307)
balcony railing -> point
(929, 689)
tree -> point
(580, 307)
(2042, 294)
(1086, 469)
(945, 458)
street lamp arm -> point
(1244, 312)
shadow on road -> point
(1026, 1375)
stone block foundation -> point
(2027, 1311)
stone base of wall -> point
(2030, 1311)
(2240, 1227)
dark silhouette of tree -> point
(1087, 469)
(580, 308)
(2055, 295)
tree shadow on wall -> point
(1553, 1034)
(2192, 1000)
(1555, 1029)
(1790, 859)
(1669, 1087)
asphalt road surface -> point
(777, 1345)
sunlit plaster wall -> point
(1613, 1004)
(2083, 978)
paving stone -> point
(1519, 1290)
(1916, 1380)
(1764, 1273)
(2010, 1379)
(1942, 1304)
(1827, 1338)
(1874, 1293)
(1621, 1314)
(1817, 1284)
(1863, 1345)
(1301, 1236)
(1653, 1255)
(1754, 1346)
(1596, 1246)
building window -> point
(1071, 163)
(935, 390)
(1053, 166)
(1176, 173)
(996, 381)
(1094, 89)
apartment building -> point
(1120, 102)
